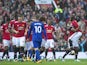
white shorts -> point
(19, 41)
(13, 40)
(75, 39)
(6, 42)
(28, 45)
(49, 43)
(43, 43)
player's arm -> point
(54, 33)
(10, 28)
(44, 31)
(26, 29)
(74, 29)
(13, 30)
(29, 31)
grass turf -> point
(57, 62)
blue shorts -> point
(37, 44)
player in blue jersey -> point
(37, 27)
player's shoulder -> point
(74, 22)
(15, 22)
(37, 23)
(45, 25)
(24, 21)
(52, 26)
(4, 24)
(12, 20)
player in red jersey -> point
(50, 42)
(18, 29)
(73, 40)
(5, 38)
(11, 23)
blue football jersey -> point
(37, 28)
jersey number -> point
(38, 29)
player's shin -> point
(30, 52)
(53, 53)
(42, 50)
(76, 53)
(21, 52)
(46, 51)
(6, 52)
(67, 51)
(37, 54)
(15, 52)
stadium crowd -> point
(10, 9)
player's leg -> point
(30, 49)
(22, 44)
(15, 51)
(51, 41)
(76, 49)
(37, 51)
(25, 49)
(25, 53)
(76, 44)
(47, 45)
(66, 53)
(6, 44)
(15, 47)
(68, 48)
(42, 49)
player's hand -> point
(7, 31)
(16, 32)
(45, 40)
(27, 40)
(73, 29)
(25, 33)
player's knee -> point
(70, 41)
(6, 48)
(31, 48)
(36, 49)
(14, 48)
(68, 50)
(76, 50)
(21, 49)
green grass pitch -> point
(57, 62)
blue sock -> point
(38, 55)
(30, 53)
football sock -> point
(54, 53)
(46, 53)
(38, 55)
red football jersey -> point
(75, 25)
(49, 30)
(20, 27)
(5, 31)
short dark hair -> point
(42, 19)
